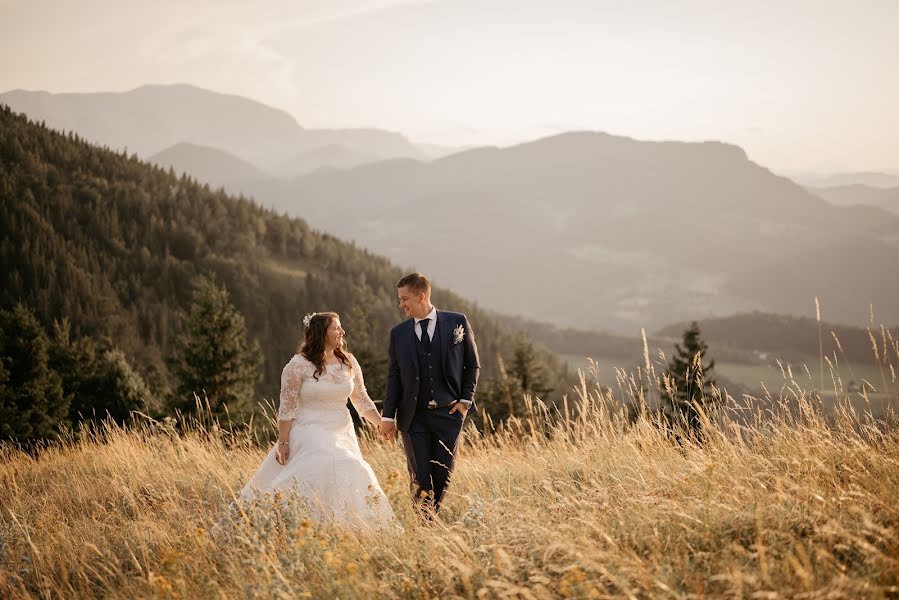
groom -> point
(431, 378)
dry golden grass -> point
(784, 505)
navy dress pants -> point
(430, 446)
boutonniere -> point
(458, 334)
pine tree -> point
(32, 405)
(526, 368)
(97, 381)
(122, 387)
(502, 397)
(213, 358)
(688, 382)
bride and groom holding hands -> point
(431, 378)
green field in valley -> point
(755, 378)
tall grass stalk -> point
(583, 500)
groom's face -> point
(412, 304)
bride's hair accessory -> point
(307, 319)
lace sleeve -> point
(291, 382)
(359, 396)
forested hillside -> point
(115, 246)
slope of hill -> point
(595, 231)
(208, 165)
(784, 336)
(867, 178)
(846, 195)
(332, 155)
(151, 118)
(113, 245)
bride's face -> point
(334, 335)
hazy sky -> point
(800, 84)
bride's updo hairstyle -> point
(315, 328)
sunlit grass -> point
(780, 503)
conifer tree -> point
(501, 397)
(32, 405)
(213, 358)
(688, 381)
(526, 368)
(97, 381)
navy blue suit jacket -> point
(460, 365)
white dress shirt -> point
(432, 324)
(432, 327)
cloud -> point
(126, 43)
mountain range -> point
(584, 229)
(153, 118)
(596, 231)
(113, 247)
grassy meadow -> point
(592, 505)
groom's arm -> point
(471, 364)
(394, 391)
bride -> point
(317, 454)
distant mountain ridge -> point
(631, 233)
(847, 195)
(874, 179)
(641, 233)
(784, 336)
(152, 118)
(208, 165)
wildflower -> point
(331, 559)
(160, 584)
(305, 527)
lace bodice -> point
(299, 389)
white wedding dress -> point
(325, 464)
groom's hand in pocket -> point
(461, 407)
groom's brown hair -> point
(416, 282)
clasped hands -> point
(387, 429)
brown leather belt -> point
(432, 405)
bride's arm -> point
(284, 431)
(291, 382)
(359, 396)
